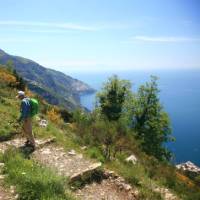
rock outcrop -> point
(189, 168)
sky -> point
(77, 35)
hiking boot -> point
(26, 143)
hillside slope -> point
(56, 87)
(148, 179)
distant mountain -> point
(54, 86)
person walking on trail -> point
(26, 119)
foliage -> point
(112, 98)
(66, 115)
(8, 105)
(96, 153)
(197, 179)
(7, 78)
(21, 83)
(105, 133)
(151, 122)
(54, 115)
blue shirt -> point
(25, 109)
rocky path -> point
(101, 184)
(166, 194)
(107, 189)
(5, 195)
(68, 164)
(77, 168)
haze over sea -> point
(180, 96)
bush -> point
(96, 153)
(54, 115)
(197, 180)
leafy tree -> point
(151, 121)
(21, 83)
(113, 97)
(111, 116)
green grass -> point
(33, 181)
(95, 153)
(137, 177)
(141, 176)
(8, 114)
(63, 135)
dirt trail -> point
(5, 195)
(75, 167)
(106, 190)
(65, 164)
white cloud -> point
(64, 26)
(167, 39)
(58, 27)
(13, 40)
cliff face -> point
(56, 87)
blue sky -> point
(103, 34)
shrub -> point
(53, 115)
(96, 153)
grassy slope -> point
(33, 181)
(143, 175)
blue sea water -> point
(180, 96)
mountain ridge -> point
(54, 86)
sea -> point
(179, 95)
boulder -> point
(43, 123)
(72, 152)
(84, 148)
(132, 158)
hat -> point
(20, 94)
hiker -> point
(26, 118)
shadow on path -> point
(9, 136)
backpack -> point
(34, 107)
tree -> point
(113, 97)
(151, 121)
(21, 83)
(112, 114)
